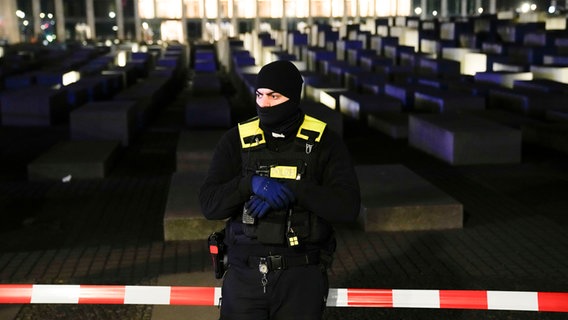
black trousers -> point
(298, 293)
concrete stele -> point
(396, 199)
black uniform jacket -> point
(335, 197)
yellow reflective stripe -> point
(312, 124)
(284, 172)
(250, 129)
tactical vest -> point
(297, 162)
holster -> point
(218, 251)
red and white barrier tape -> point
(210, 296)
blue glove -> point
(257, 207)
(276, 194)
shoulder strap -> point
(250, 133)
(311, 129)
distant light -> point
(112, 14)
(25, 23)
(474, 62)
(50, 15)
(42, 15)
(20, 14)
(70, 77)
(114, 28)
(533, 7)
(480, 10)
(145, 25)
(327, 100)
(525, 7)
(434, 13)
(418, 10)
(551, 9)
(121, 58)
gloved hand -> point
(275, 193)
(257, 207)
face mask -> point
(280, 118)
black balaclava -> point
(283, 77)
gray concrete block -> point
(183, 219)
(34, 106)
(316, 55)
(359, 106)
(395, 51)
(461, 139)
(330, 98)
(75, 160)
(525, 102)
(402, 92)
(439, 67)
(208, 112)
(357, 80)
(541, 85)
(195, 149)
(443, 101)
(502, 78)
(378, 43)
(105, 120)
(206, 84)
(94, 90)
(548, 135)
(336, 71)
(506, 118)
(557, 115)
(313, 91)
(150, 94)
(396, 199)
(370, 63)
(393, 124)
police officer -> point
(279, 179)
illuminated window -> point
(337, 9)
(146, 9)
(246, 9)
(172, 30)
(387, 8)
(350, 8)
(193, 9)
(364, 8)
(404, 8)
(170, 9)
(211, 9)
(270, 9)
(321, 8)
(226, 9)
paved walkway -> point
(109, 231)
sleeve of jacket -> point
(225, 189)
(337, 198)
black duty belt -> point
(279, 262)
